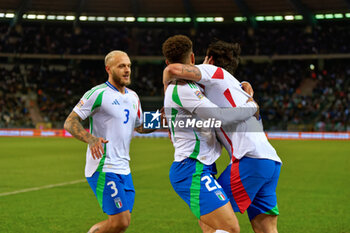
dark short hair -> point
(176, 48)
(225, 55)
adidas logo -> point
(115, 102)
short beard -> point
(118, 80)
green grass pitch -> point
(313, 191)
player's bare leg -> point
(264, 223)
(222, 218)
(205, 228)
(117, 223)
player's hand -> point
(257, 113)
(96, 147)
(208, 60)
(247, 88)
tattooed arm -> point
(75, 128)
(177, 70)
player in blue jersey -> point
(114, 112)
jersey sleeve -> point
(139, 118)
(209, 72)
(227, 116)
(188, 96)
(192, 99)
(88, 104)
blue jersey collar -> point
(114, 88)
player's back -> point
(198, 143)
(247, 138)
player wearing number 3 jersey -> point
(114, 111)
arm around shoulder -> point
(181, 71)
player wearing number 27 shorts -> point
(196, 148)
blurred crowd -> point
(281, 89)
(268, 39)
(301, 95)
(56, 89)
(13, 110)
(278, 86)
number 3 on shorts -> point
(113, 187)
(208, 182)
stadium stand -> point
(277, 88)
(92, 39)
(299, 70)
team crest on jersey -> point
(220, 195)
(118, 202)
(80, 104)
(199, 94)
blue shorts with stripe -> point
(251, 185)
(194, 183)
(114, 192)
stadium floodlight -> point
(111, 19)
(289, 17)
(120, 19)
(41, 17)
(312, 66)
(24, 16)
(239, 19)
(91, 18)
(319, 16)
(160, 19)
(51, 17)
(9, 15)
(70, 17)
(219, 19)
(170, 19)
(347, 15)
(298, 17)
(83, 18)
(2, 15)
(141, 19)
(209, 19)
(329, 16)
(269, 18)
(278, 17)
(260, 18)
(179, 19)
(151, 19)
(188, 19)
(31, 16)
(130, 19)
(60, 17)
(338, 16)
(101, 18)
(200, 19)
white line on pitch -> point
(42, 187)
